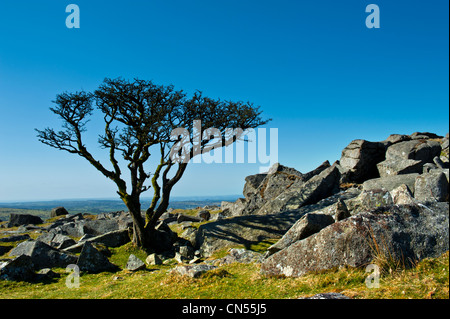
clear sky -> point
(313, 66)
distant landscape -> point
(97, 206)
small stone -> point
(193, 271)
(93, 261)
(341, 211)
(153, 259)
(48, 273)
(58, 211)
(134, 263)
(204, 214)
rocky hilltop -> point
(387, 198)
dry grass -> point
(383, 255)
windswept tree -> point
(140, 119)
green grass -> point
(429, 279)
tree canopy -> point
(139, 117)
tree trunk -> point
(153, 215)
(140, 237)
(144, 234)
(140, 234)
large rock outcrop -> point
(406, 232)
(359, 160)
(408, 157)
(283, 189)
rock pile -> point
(55, 248)
(402, 210)
(333, 198)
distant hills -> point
(97, 206)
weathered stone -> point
(237, 208)
(124, 221)
(204, 215)
(185, 225)
(420, 150)
(100, 227)
(23, 219)
(110, 215)
(225, 205)
(112, 239)
(261, 189)
(369, 200)
(193, 271)
(309, 224)
(402, 196)
(359, 160)
(62, 221)
(409, 232)
(186, 252)
(84, 238)
(195, 260)
(439, 163)
(134, 263)
(187, 218)
(56, 240)
(277, 181)
(399, 166)
(211, 207)
(341, 211)
(424, 135)
(14, 238)
(239, 255)
(318, 187)
(20, 268)
(391, 182)
(73, 228)
(43, 255)
(153, 259)
(252, 184)
(431, 187)
(180, 258)
(278, 168)
(47, 273)
(307, 176)
(162, 238)
(446, 173)
(93, 261)
(58, 211)
(189, 234)
(115, 238)
(428, 167)
(397, 138)
(61, 241)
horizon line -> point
(174, 198)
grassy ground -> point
(429, 279)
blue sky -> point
(313, 67)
